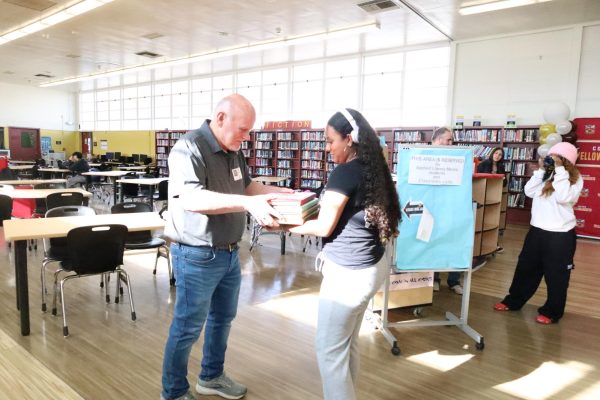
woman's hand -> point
(557, 161)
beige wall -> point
(69, 141)
(127, 142)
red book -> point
(296, 198)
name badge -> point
(237, 174)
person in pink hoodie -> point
(550, 244)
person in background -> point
(210, 191)
(494, 164)
(443, 137)
(77, 165)
(359, 213)
(550, 244)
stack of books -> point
(295, 208)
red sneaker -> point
(542, 319)
(501, 307)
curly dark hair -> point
(382, 206)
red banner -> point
(292, 125)
(587, 209)
(589, 153)
(587, 128)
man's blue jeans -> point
(208, 286)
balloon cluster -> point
(557, 128)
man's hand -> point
(261, 210)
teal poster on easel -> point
(435, 189)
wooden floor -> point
(271, 346)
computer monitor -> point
(110, 155)
(143, 158)
(136, 158)
(117, 155)
(130, 160)
(122, 159)
(103, 158)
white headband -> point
(352, 122)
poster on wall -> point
(103, 144)
(46, 144)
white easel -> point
(383, 324)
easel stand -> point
(383, 324)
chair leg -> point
(55, 291)
(156, 260)
(44, 289)
(128, 283)
(119, 290)
(106, 277)
(62, 299)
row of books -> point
(312, 164)
(516, 200)
(517, 184)
(409, 136)
(262, 171)
(517, 168)
(291, 154)
(285, 136)
(261, 162)
(264, 153)
(263, 136)
(519, 153)
(284, 163)
(476, 135)
(288, 145)
(285, 173)
(319, 135)
(310, 183)
(312, 174)
(263, 145)
(521, 135)
(313, 145)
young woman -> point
(359, 213)
(494, 164)
(550, 243)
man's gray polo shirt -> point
(198, 162)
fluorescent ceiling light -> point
(477, 7)
(231, 51)
(53, 19)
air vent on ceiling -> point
(148, 54)
(37, 5)
(8, 72)
(73, 55)
(377, 6)
(43, 76)
(153, 35)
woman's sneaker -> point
(222, 386)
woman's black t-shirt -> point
(353, 244)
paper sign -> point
(411, 280)
(435, 170)
(103, 144)
(425, 226)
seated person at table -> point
(77, 166)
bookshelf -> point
(520, 157)
(483, 139)
(164, 141)
(395, 138)
(487, 192)
(297, 155)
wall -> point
(127, 142)
(33, 107)
(69, 141)
(521, 74)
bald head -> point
(232, 121)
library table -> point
(152, 182)
(33, 182)
(22, 230)
(111, 175)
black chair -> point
(163, 192)
(93, 250)
(130, 190)
(6, 203)
(55, 249)
(143, 240)
(61, 199)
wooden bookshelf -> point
(487, 193)
(395, 138)
(164, 141)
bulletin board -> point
(435, 189)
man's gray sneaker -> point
(187, 396)
(222, 386)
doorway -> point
(86, 144)
(24, 143)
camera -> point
(548, 167)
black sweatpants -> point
(549, 255)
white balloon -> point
(553, 138)
(556, 112)
(543, 150)
(563, 127)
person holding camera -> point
(550, 244)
